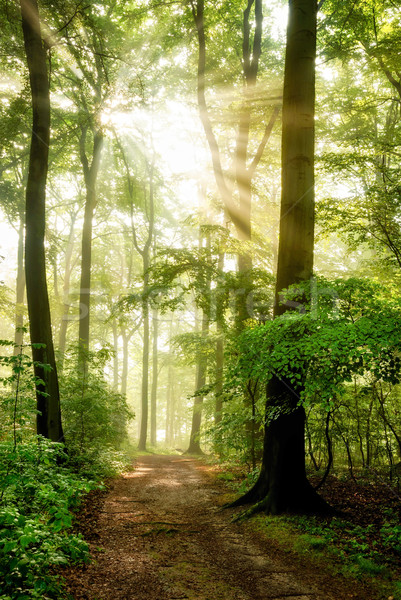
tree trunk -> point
(115, 355)
(368, 436)
(20, 289)
(219, 376)
(168, 435)
(282, 485)
(310, 446)
(201, 369)
(200, 380)
(145, 360)
(124, 372)
(153, 395)
(47, 392)
(90, 175)
(169, 391)
(66, 290)
(145, 253)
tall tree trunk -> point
(145, 311)
(219, 375)
(20, 287)
(201, 366)
(169, 403)
(66, 290)
(124, 372)
(218, 407)
(115, 355)
(145, 361)
(47, 392)
(200, 380)
(145, 254)
(90, 175)
(167, 437)
(368, 429)
(153, 395)
(282, 484)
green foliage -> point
(355, 543)
(341, 329)
(38, 481)
(233, 434)
(95, 416)
(391, 533)
(17, 397)
(37, 491)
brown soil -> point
(159, 534)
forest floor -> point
(159, 533)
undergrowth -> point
(356, 545)
(37, 492)
(40, 483)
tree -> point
(201, 365)
(240, 178)
(155, 373)
(47, 389)
(143, 191)
(282, 484)
(362, 148)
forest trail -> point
(160, 535)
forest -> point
(200, 259)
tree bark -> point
(145, 362)
(145, 253)
(20, 288)
(243, 168)
(114, 327)
(47, 391)
(90, 175)
(282, 485)
(169, 391)
(219, 375)
(124, 372)
(200, 380)
(153, 394)
(66, 290)
(201, 369)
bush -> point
(39, 482)
(95, 416)
(37, 491)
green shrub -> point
(95, 416)
(37, 492)
(40, 483)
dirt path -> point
(162, 536)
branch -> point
(131, 195)
(224, 190)
(262, 145)
(73, 16)
(82, 153)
